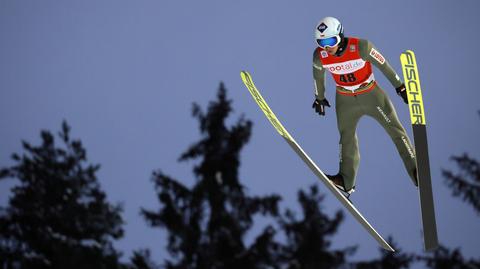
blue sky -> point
(125, 73)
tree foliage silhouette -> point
(308, 239)
(389, 260)
(141, 260)
(444, 258)
(466, 183)
(207, 222)
(58, 216)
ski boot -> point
(338, 181)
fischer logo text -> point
(414, 91)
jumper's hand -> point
(402, 92)
(319, 106)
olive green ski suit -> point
(374, 103)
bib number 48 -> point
(348, 78)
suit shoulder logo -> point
(377, 56)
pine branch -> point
(466, 183)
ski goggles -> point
(328, 42)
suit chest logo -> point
(345, 67)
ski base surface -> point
(417, 116)
(247, 80)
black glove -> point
(319, 106)
(402, 92)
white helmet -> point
(329, 32)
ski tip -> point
(244, 73)
(245, 76)
(410, 52)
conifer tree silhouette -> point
(57, 216)
(309, 239)
(444, 258)
(466, 183)
(207, 223)
(141, 259)
(389, 260)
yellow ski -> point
(247, 80)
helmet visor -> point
(328, 42)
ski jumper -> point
(358, 94)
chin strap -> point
(342, 45)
